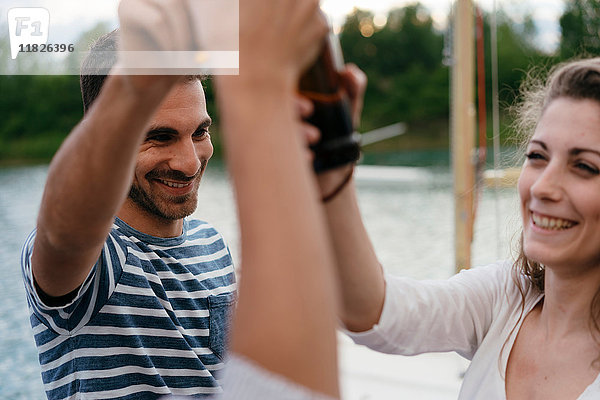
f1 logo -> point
(27, 26)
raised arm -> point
(91, 174)
(88, 180)
(359, 272)
(287, 294)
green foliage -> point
(403, 58)
(403, 61)
(38, 111)
(408, 78)
(211, 107)
(580, 25)
(516, 55)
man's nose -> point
(185, 158)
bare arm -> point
(287, 292)
(88, 180)
(359, 272)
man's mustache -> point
(172, 174)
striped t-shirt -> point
(150, 319)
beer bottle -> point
(339, 144)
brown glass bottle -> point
(338, 145)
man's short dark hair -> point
(97, 65)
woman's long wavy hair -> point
(579, 79)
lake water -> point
(408, 212)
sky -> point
(71, 17)
(545, 12)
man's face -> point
(174, 155)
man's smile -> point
(176, 187)
(174, 184)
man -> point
(132, 306)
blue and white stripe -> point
(149, 320)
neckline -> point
(589, 390)
(513, 337)
(149, 239)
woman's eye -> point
(533, 155)
(587, 168)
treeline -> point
(405, 57)
(408, 64)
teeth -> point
(175, 185)
(551, 223)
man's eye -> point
(201, 134)
(160, 138)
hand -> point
(279, 38)
(152, 26)
(310, 133)
(354, 81)
(156, 25)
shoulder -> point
(202, 232)
(500, 271)
(501, 277)
(204, 238)
(121, 233)
(200, 228)
(504, 280)
(28, 244)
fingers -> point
(281, 36)
(354, 81)
(304, 106)
(153, 25)
(310, 133)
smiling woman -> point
(560, 186)
(530, 327)
(559, 189)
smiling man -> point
(128, 298)
(171, 161)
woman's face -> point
(559, 186)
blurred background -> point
(404, 48)
(404, 183)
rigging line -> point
(482, 113)
(495, 119)
(481, 93)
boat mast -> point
(463, 130)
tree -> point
(403, 60)
(517, 53)
(580, 27)
(408, 80)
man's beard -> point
(171, 207)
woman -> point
(530, 327)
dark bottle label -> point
(338, 145)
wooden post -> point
(463, 130)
